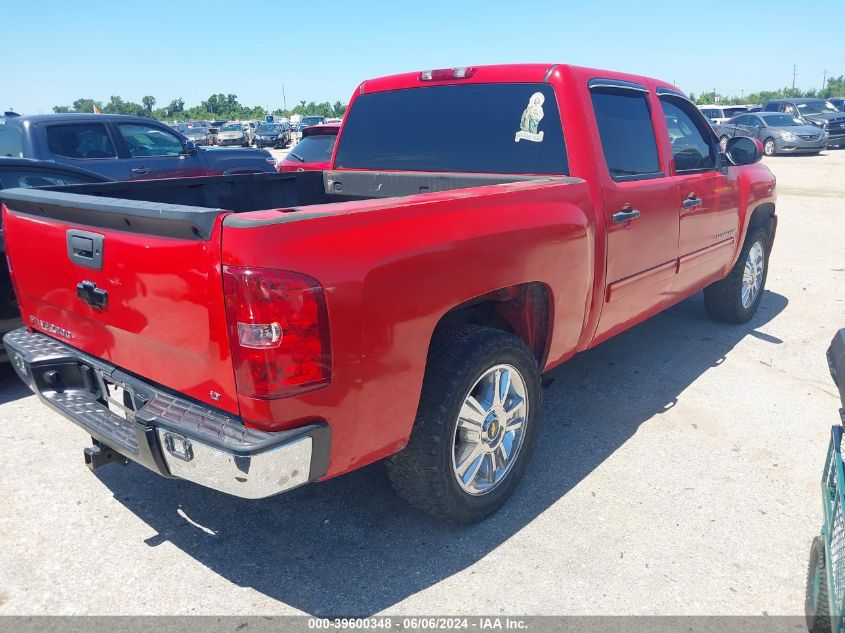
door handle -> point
(691, 202)
(625, 216)
(141, 170)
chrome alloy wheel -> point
(752, 275)
(769, 148)
(490, 429)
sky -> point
(58, 51)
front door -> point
(707, 198)
(158, 153)
(640, 209)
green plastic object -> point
(825, 604)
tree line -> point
(216, 107)
(834, 87)
(226, 106)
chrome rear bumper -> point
(171, 435)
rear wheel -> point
(816, 605)
(476, 425)
(769, 148)
(736, 298)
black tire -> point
(723, 298)
(769, 147)
(422, 472)
(817, 608)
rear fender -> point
(393, 268)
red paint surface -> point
(392, 268)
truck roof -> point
(500, 73)
(77, 117)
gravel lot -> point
(677, 473)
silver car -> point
(232, 134)
(779, 133)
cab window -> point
(496, 128)
(627, 134)
(692, 139)
(80, 140)
(11, 140)
(147, 140)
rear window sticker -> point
(531, 117)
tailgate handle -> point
(85, 248)
(95, 297)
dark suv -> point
(122, 147)
(818, 112)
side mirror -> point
(743, 150)
(190, 147)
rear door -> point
(741, 125)
(156, 152)
(640, 206)
(706, 196)
(89, 145)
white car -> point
(249, 131)
(719, 114)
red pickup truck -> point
(478, 227)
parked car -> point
(314, 151)
(122, 147)
(275, 329)
(818, 112)
(779, 133)
(249, 131)
(272, 135)
(720, 114)
(307, 121)
(199, 135)
(25, 172)
(838, 103)
(232, 134)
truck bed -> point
(188, 207)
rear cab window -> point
(80, 140)
(496, 128)
(11, 140)
(316, 148)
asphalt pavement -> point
(677, 472)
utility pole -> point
(824, 80)
(284, 99)
(794, 75)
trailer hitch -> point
(99, 455)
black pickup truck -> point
(122, 147)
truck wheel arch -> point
(763, 215)
(523, 309)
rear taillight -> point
(278, 330)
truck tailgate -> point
(135, 283)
